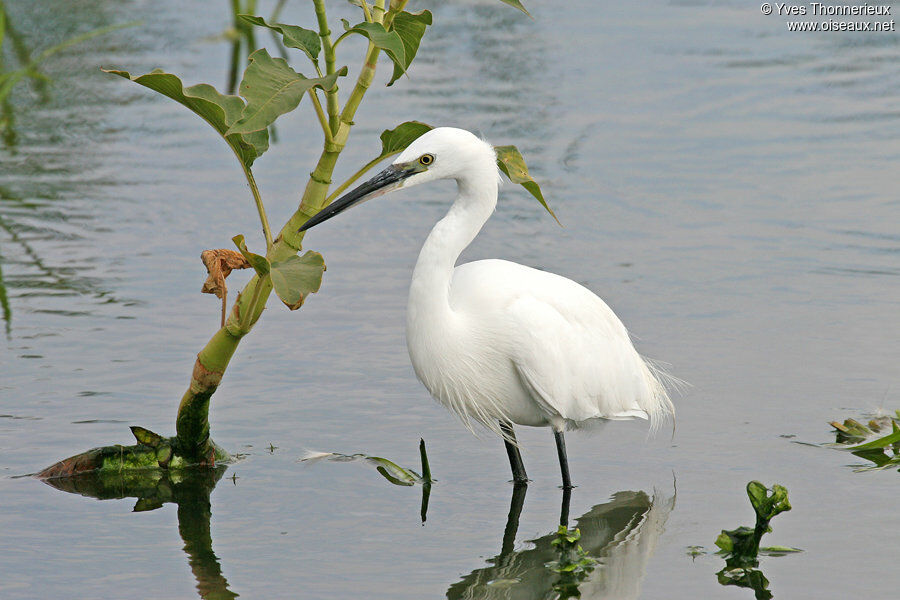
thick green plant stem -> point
(331, 96)
(192, 423)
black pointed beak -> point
(386, 181)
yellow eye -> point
(426, 159)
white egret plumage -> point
(497, 342)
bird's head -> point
(442, 153)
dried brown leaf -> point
(219, 264)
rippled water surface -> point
(728, 187)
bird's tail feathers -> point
(660, 381)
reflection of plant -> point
(741, 546)
(269, 89)
(574, 564)
(189, 489)
(28, 67)
(883, 451)
(746, 578)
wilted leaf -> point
(217, 109)
(219, 264)
(293, 36)
(410, 27)
(510, 161)
(516, 4)
(850, 431)
(259, 263)
(297, 277)
(389, 41)
(272, 88)
(147, 437)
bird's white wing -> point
(571, 352)
(574, 354)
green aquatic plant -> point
(574, 565)
(740, 546)
(189, 490)
(877, 442)
(270, 88)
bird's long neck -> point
(474, 204)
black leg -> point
(563, 460)
(512, 520)
(564, 507)
(512, 450)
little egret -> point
(501, 343)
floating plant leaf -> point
(882, 442)
(386, 468)
(394, 472)
(741, 546)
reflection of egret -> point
(498, 342)
(620, 535)
(189, 489)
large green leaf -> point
(217, 109)
(510, 161)
(272, 88)
(297, 277)
(389, 41)
(410, 27)
(259, 263)
(516, 4)
(394, 141)
(306, 40)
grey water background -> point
(728, 187)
